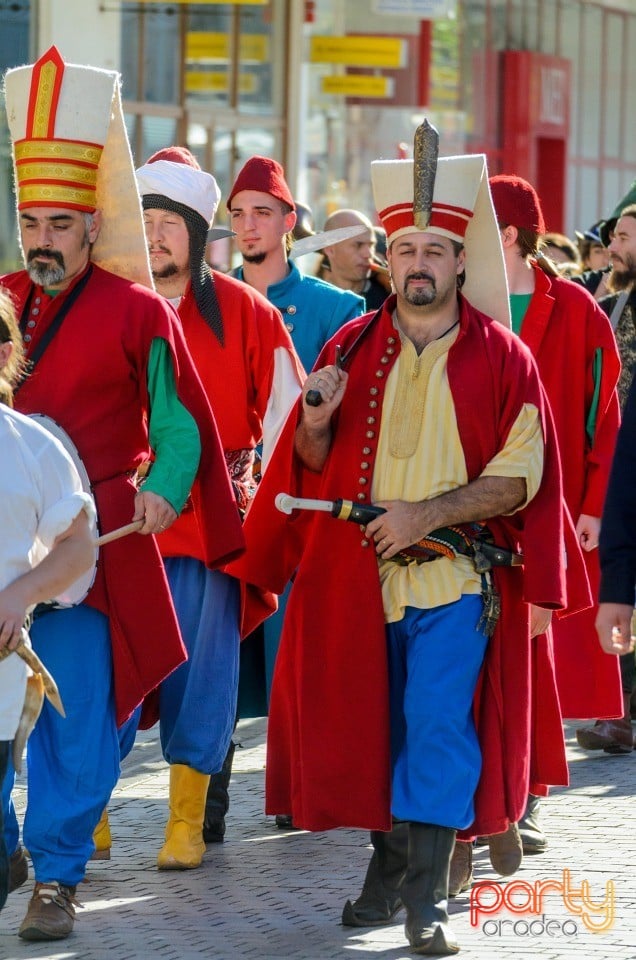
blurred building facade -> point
(326, 86)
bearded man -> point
(108, 362)
(435, 414)
(252, 377)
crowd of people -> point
(452, 380)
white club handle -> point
(286, 503)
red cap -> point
(264, 175)
(516, 202)
(175, 155)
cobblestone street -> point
(274, 895)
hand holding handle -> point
(314, 398)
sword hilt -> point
(313, 398)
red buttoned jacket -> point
(92, 381)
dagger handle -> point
(356, 512)
(314, 397)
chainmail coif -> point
(202, 278)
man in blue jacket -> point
(263, 215)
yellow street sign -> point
(191, 3)
(205, 45)
(359, 51)
(216, 81)
(351, 85)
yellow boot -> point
(102, 838)
(184, 846)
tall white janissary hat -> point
(461, 209)
(71, 150)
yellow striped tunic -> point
(420, 456)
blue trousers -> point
(72, 762)
(434, 661)
(197, 702)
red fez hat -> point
(265, 176)
(517, 203)
(175, 155)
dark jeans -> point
(4, 857)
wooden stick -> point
(118, 533)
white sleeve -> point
(63, 497)
(286, 388)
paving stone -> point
(277, 895)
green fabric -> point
(174, 435)
(597, 372)
(519, 303)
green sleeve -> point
(597, 372)
(174, 435)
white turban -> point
(181, 183)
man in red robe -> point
(252, 377)
(392, 709)
(615, 736)
(108, 362)
(573, 344)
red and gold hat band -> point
(57, 173)
(452, 220)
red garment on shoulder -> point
(92, 381)
(328, 738)
(564, 328)
(237, 378)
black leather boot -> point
(533, 839)
(217, 802)
(425, 890)
(380, 898)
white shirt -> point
(40, 496)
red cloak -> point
(92, 381)
(328, 739)
(237, 377)
(565, 328)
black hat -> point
(607, 226)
